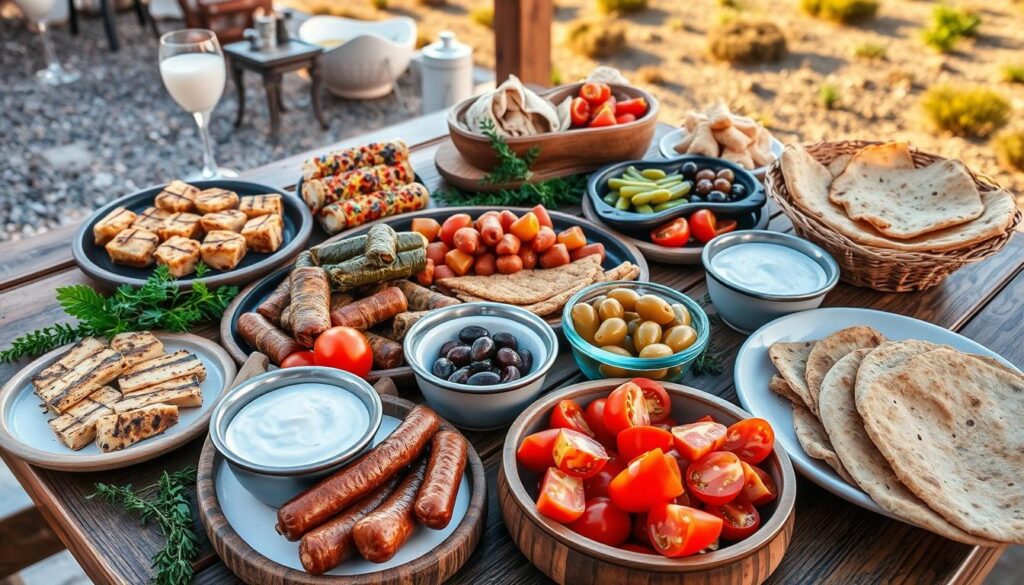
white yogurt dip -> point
(297, 425)
(769, 269)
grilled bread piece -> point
(181, 392)
(223, 250)
(216, 199)
(76, 428)
(117, 431)
(179, 254)
(177, 196)
(256, 205)
(160, 369)
(182, 224)
(151, 219)
(230, 220)
(133, 247)
(264, 233)
(112, 224)
(102, 367)
(72, 358)
(137, 346)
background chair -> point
(228, 19)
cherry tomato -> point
(646, 481)
(298, 359)
(594, 415)
(679, 531)
(739, 519)
(561, 496)
(452, 225)
(752, 440)
(534, 452)
(604, 116)
(426, 226)
(578, 455)
(696, 440)
(640, 532)
(543, 216)
(659, 405)
(705, 226)
(597, 484)
(758, 487)
(579, 111)
(673, 234)
(638, 548)
(716, 478)
(595, 92)
(344, 348)
(624, 408)
(625, 119)
(635, 441)
(568, 415)
(636, 106)
(603, 522)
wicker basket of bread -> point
(894, 218)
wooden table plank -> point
(27, 259)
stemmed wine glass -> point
(54, 73)
(193, 70)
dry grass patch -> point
(841, 11)
(747, 41)
(968, 111)
(597, 39)
(620, 6)
(1009, 147)
(948, 26)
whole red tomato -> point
(299, 358)
(344, 348)
(603, 522)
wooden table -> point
(834, 542)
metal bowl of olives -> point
(480, 364)
(626, 329)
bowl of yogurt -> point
(283, 430)
(756, 276)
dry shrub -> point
(968, 111)
(483, 15)
(621, 6)
(1009, 148)
(651, 75)
(841, 11)
(597, 39)
(747, 41)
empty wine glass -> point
(192, 67)
(54, 73)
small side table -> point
(272, 64)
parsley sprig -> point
(707, 362)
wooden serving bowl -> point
(573, 151)
(568, 558)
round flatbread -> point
(814, 440)
(790, 358)
(830, 350)
(779, 386)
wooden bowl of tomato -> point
(583, 147)
(644, 512)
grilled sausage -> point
(262, 335)
(387, 354)
(279, 298)
(336, 492)
(371, 310)
(436, 500)
(310, 303)
(327, 546)
(379, 536)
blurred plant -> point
(747, 41)
(1013, 73)
(380, 4)
(1009, 147)
(948, 26)
(597, 39)
(423, 38)
(434, 3)
(841, 11)
(829, 95)
(676, 24)
(621, 6)
(731, 4)
(966, 111)
(556, 75)
(870, 51)
(483, 15)
(651, 75)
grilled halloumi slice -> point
(231, 220)
(177, 196)
(183, 392)
(111, 225)
(78, 353)
(99, 369)
(133, 247)
(257, 205)
(137, 346)
(223, 250)
(264, 233)
(151, 219)
(161, 369)
(76, 428)
(216, 199)
(117, 431)
(179, 254)
(182, 224)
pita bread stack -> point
(931, 434)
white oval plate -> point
(254, 521)
(754, 369)
(666, 147)
(25, 433)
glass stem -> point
(209, 164)
(51, 56)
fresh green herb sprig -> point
(157, 304)
(511, 167)
(169, 507)
(707, 362)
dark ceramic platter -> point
(94, 260)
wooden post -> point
(522, 40)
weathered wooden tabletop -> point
(834, 542)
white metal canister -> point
(447, 73)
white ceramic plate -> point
(754, 369)
(667, 148)
(254, 521)
(24, 430)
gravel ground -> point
(65, 151)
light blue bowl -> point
(591, 358)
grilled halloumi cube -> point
(179, 254)
(76, 428)
(151, 219)
(78, 353)
(216, 199)
(264, 233)
(112, 224)
(133, 247)
(137, 346)
(100, 368)
(183, 392)
(230, 220)
(223, 250)
(160, 369)
(256, 205)
(117, 431)
(182, 224)
(177, 196)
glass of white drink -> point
(54, 73)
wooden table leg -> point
(314, 88)
(236, 74)
(110, 24)
(272, 85)
(73, 17)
